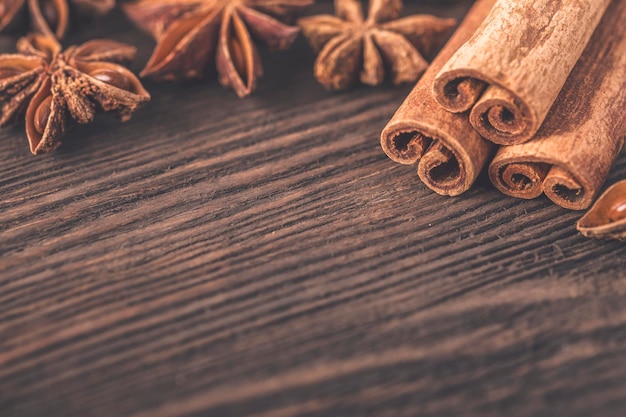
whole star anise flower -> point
(191, 34)
(50, 85)
(50, 17)
(353, 48)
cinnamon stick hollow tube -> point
(450, 152)
(571, 155)
(511, 71)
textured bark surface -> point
(450, 154)
(219, 257)
(571, 155)
(514, 55)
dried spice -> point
(607, 218)
(514, 67)
(49, 17)
(449, 152)
(570, 156)
(192, 34)
(353, 48)
(52, 85)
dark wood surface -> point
(262, 257)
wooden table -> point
(263, 257)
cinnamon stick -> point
(511, 71)
(450, 152)
(570, 157)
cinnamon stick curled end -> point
(404, 145)
(457, 93)
(566, 190)
(496, 113)
(502, 118)
(607, 218)
(441, 167)
(528, 178)
(521, 180)
(440, 170)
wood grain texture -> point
(263, 257)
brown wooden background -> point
(262, 257)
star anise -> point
(353, 48)
(50, 85)
(192, 34)
(49, 17)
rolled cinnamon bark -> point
(450, 152)
(571, 155)
(511, 71)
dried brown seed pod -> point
(51, 85)
(353, 48)
(193, 35)
(607, 217)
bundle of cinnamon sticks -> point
(533, 89)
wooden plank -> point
(262, 257)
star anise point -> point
(194, 35)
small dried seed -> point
(111, 77)
(618, 211)
(43, 114)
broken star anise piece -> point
(193, 34)
(352, 48)
(49, 17)
(52, 86)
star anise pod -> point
(50, 85)
(192, 34)
(50, 17)
(352, 48)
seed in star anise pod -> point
(353, 48)
(52, 86)
(195, 34)
(49, 17)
